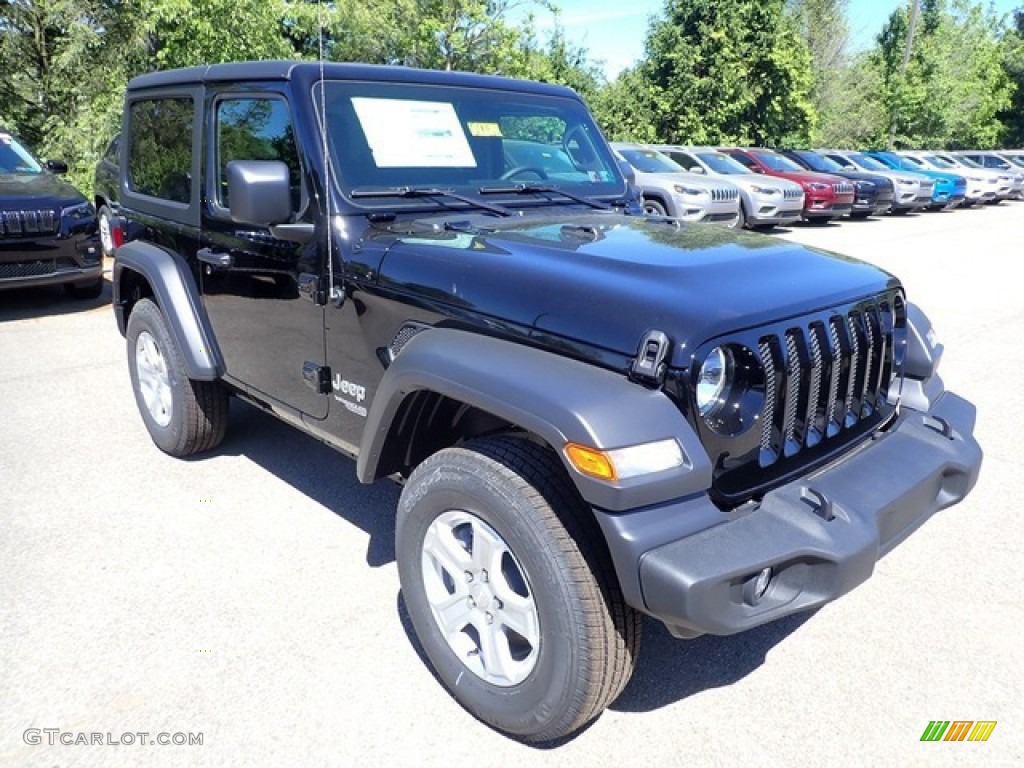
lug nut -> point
(490, 617)
(471, 602)
(469, 576)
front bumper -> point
(820, 535)
(70, 256)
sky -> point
(614, 30)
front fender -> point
(175, 291)
(559, 399)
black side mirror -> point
(259, 192)
(56, 166)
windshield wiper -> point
(429, 192)
(529, 189)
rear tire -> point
(105, 220)
(511, 590)
(183, 416)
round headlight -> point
(729, 389)
(713, 380)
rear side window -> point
(255, 129)
(160, 149)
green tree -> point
(728, 71)
(955, 84)
(1012, 116)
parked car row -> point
(760, 188)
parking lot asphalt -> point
(251, 595)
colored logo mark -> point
(958, 730)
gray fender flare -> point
(176, 292)
(557, 398)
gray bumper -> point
(821, 535)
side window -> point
(842, 161)
(256, 129)
(684, 160)
(744, 160)
(160, 149)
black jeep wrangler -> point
(595, 414)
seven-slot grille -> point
(792, 194)
(824, 377)
(843, 188)
(720, 194)
(926, 186)
(41, 222)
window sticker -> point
(413, 134)
(484, 129)
(5, 138)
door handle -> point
(220, 260)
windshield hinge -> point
(648, 367)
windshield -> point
(939, 162)
(1015, 160)
(391, 136)
(649, 161)
(868, 163)
(916, 162)
(966, 161)
(14, 158)
(720, 163)
(776, 162)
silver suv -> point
(764, 201)
(668, 189)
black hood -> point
(607, 279)
(36, 190)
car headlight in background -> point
(906, 182)
(688, 190)
(816, 185)
(865, 186)
(729, 389)
(78, 211)
(764, 190)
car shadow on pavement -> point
(47, 301)
(670, 670)
(317, 470)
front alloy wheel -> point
(510, 588)
(480, 598)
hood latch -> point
(648, 367)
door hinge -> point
(317, 377)
(648, 367)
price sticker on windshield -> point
(484, 129)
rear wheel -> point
(183, 415)
(105, 220)
(511, 590)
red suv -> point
(826, 197)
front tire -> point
(510, 588)
(183, 415)
(654, 208)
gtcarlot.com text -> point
(54, 736)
